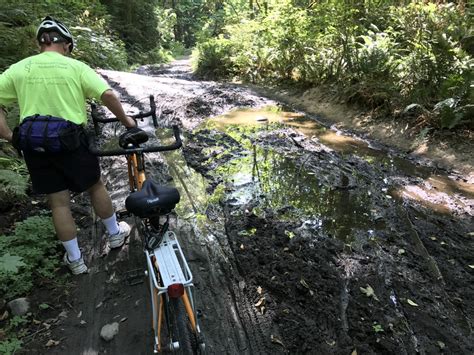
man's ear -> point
(67, 48)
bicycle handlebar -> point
(96, 119)
(120, 151)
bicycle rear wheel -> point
(181, 328)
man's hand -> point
(113, 104)
(5, 131)
(129, 122)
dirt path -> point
(301, 240)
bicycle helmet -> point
(50, 24)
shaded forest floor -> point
(301, 238)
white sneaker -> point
(117, 240)
(77, 267)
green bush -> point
(89, 24)
(28, 255)
(213, 58)
(377, 54)
(98, 49)
(13, 185)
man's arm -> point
(113, 104)
(5, 131)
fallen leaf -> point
(471, 266)
(242, 246)
(260, 302)
(276, 340)
(99, 305)
(262, 309)
(471, 234)
(369, 292)
(304, 283)
(286, 311)
(79, 315)
(411, 303)
(259, 290)
(83, 322)
(441, 344)
(4, 315)
(51, 343)
(354, 352)
(123, 319)
(401, 251)
(34, 202)
(433, 238)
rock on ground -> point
(19, 306)
(109, 331)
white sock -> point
(72, 249)
(111, 225)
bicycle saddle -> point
(134, 136)
(152, 198)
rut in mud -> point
(301, 239)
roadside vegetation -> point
(411, 57)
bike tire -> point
(181, 328)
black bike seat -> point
(152, 198)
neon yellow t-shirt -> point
(51, 84)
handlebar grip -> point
(160, 148)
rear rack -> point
(171, 262)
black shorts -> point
(75, 171)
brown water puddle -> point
(437, 191)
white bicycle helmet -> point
(50, 24)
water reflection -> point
(265, 180)
(443, 189)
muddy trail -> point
(301, 239)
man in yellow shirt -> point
(53, 84)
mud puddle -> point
(420, 183)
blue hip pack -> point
(47, 134)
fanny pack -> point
(47, 134)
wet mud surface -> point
(301, 240)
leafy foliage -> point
(89, 24)
(383, 55)
(30, 251)
(12, 185)
(10, 346)
(10, 263)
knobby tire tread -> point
(182, 328)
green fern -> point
(12, 185)
(32, 249)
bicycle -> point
(169, 277)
